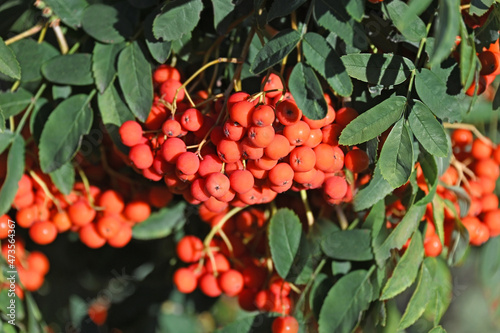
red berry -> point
(286, 324)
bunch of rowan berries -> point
(243, 150)
(474, 170)
(238, 266)
(98, 215)
(31, 266)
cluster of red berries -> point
(490, 68)
(99, 216)
(475, 169)
(31, 266)
(263, 145)
(238, 266)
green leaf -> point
(333, 16)
(376, 190)
(31, 55)
(419, 299)
(161, 223)
(321, 285)
(355, 8)
(112, 108)
(275, 50)
(433, 91)
(396, 157)
(280, 8)
(256, 323)
(109, 23)
(407, 22)
(71, 69)
(341, 267)
(441, 292)
(460, 241)
(375, 221)
(306, 90)
(223, 14)
(62, 134)
(384, 69)
(373, 122)
(104, 63)
(353, 245)
(398, 237)
(174, 322)
(406, 270)
(134, 75)
(437, 329)
(159, 49)
(480, 7)
(64, 178)
(8, 62)
(323, 58)
(2, 121)
(61, 92)
(69, 11)
(344, 303)
(428, 131)
(415, 7)
(177, 19)
(15, 170)
(468, 59)
(12, 103)
(447, 29)
(489, 266)
(438, 216)
(285, 231)
(496, 99)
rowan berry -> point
(273, 82)
(297, 133)
(168, 90)
(241, 112)
(241, 181)
(231, 282)
(122, 237)
(288, 113)
(356, 160)
(141, 156)
(261, 137)
(302, 159)
(233, 131)
(249, 151)
(188, 163)
(229, 151)
(111, 201)
(481, 149)
(80, 213)
(278, 148)
(130, 133)
(137, 211)
(192, 119)
(43, 232)
(281, 174)
(286, 324)
(185, 280)
(335, 187)
(432, 246)
(38, 262)
(263, 115)
(108, 226)
(172, 148)
(209, 286)
(171, 128)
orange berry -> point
(217, 184)
(159, 196)
(461, 137)
(263, 115)
(185, 280)
(432, 246)
(130, 133)
(189, 249)
(108, 226)
(249, 151)
(188, 163)
(261, 137)
(141, 156)
(4, 226)
(31, 280)
(25, 217)
(172, 148)
(241, 181)
(198, 190)
(278, 148)
(24, 185)
(314, 139)
(335, 187)
(345, 115)
(229, 151)
(273, 82)
(231, 282)
(492, 221)
(281, 174)
(356, 160)
(481, 149)
(288, 113)
(171, 128)
(192, 119)
(286, 324)
(80, 213)
(487, 168)
(209, 285)
(241, 112)
(122, 237)
(137, 211)
(302, 159)
(111, 201)
(297, 133)
(489, 202)
(91, 237)
(210, 163)
(38, 261)
(215, 205)
(490, 62)
(43, 232)
(168, 90)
